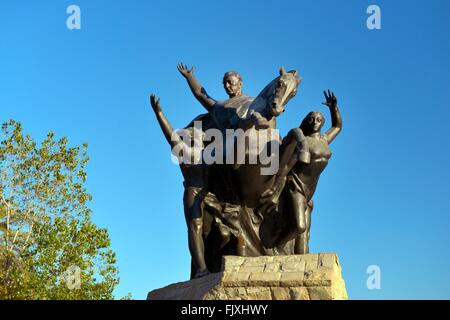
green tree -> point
(49, 247)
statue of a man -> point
(223, 111)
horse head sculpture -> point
(285, 89)
(273, 98)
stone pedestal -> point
(294, 277)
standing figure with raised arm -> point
(195, 179)
(305, 154)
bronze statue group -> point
(234, 209)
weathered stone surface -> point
(294, 277)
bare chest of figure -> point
(319, 150)
(320, 153)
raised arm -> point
(196, 88)
(171, 136)
(336, 121)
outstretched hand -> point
(330, 98)
(154, 101)
(184, 70)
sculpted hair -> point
(231, 73)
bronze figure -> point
(194, 189)
(300, 170)
(241, 208)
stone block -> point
(295, 277)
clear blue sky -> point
(384, 198)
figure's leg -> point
(241, 246)
(194, 219)
(296, 224)
(302, 242)
(196, 245)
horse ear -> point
(282, 71)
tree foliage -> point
(49, 246)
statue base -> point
(293, 277)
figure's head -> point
(312, 123)
(232, 83)
(286, 88)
